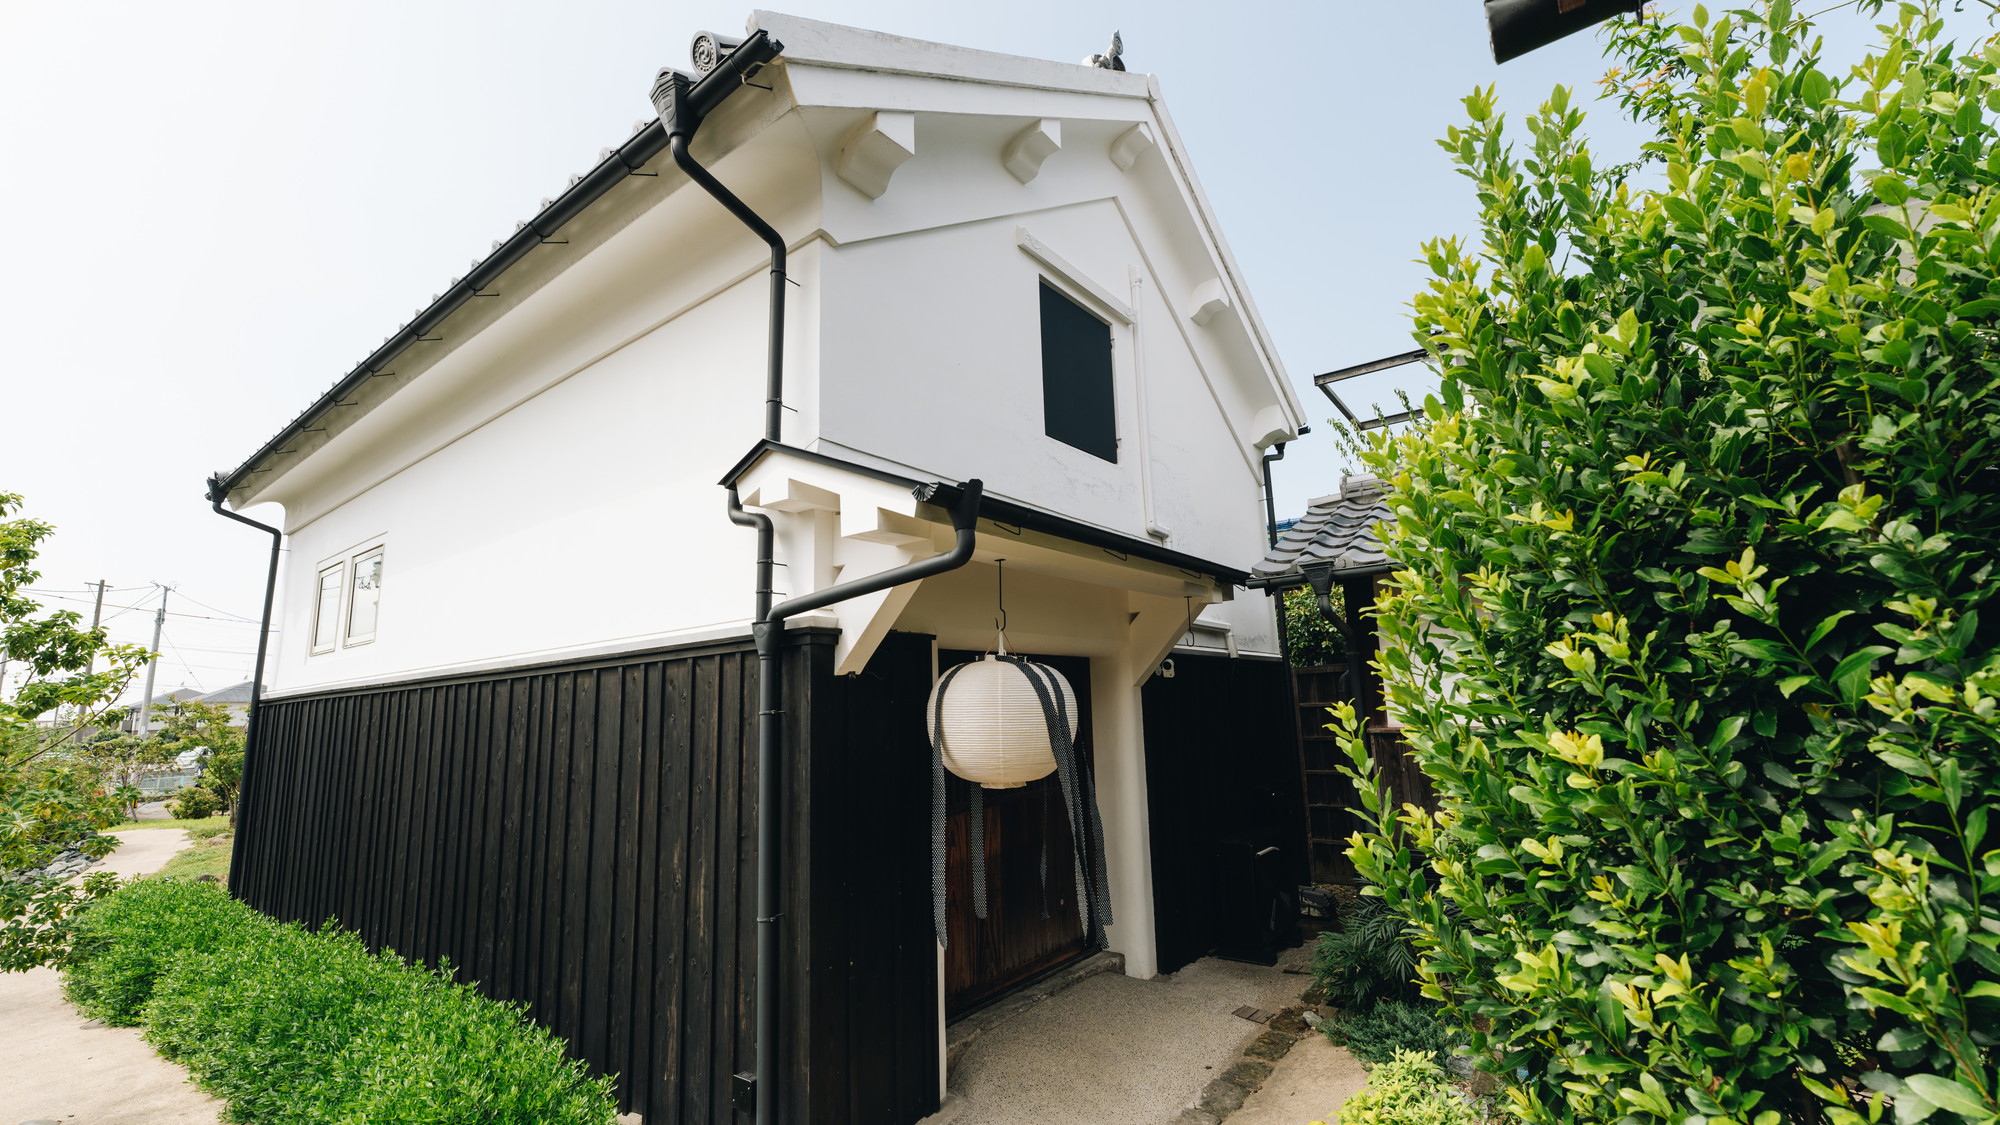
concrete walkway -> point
(55, 1068)
(1308, 1084)
(1112, 1050)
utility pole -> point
(96, 619)
(153, 666)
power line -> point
(225, 612)
(170, 613)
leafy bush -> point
(1367, 959)
(1309, 637)
(1406, 1089)
(126, 942)
(196, 802)
(1377, 1033)
(1694, 552)
(290, 1026)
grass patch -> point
(196, 829)
(197, 860)
(288, 1025)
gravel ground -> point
(54, 1068)
(1112, 1050)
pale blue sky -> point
(217, 208)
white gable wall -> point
(547, 487)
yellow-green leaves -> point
(1582, 750)
(1737, 571)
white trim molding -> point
(1038, 250)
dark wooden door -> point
(1031, 923)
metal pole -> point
(153, 666)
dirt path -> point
(53, 1067)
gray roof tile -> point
(1337, 530)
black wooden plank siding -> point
(1222, 769)
(581, 839)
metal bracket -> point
(743, 1093)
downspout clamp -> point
(217, 492)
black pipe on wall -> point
(680, 115)
(770, 631)
(217, 492)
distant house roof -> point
(175, 696)
(238, 693)
(1337, 532)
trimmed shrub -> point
(1690, 627)
(1407, 1089)
(294, 1027)
(125, 942)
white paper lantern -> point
(994, 729)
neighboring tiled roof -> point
(1337, 530)
(175, 696)
(240, 693)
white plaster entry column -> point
(1121, 799)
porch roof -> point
(1006, 512)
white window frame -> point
(345, 566)
(339, 570)
(348, 639)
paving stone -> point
(1271, 1045)
(1291, 1021)
(1222, 1098)
(1248, 1074)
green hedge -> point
(289, 1026)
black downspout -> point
(1270, 498)
(216, 494)
(669, 92)
(680, 115)
(770, 631)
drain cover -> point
(1254, 1015)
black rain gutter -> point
(623, 162)
(217, 493)
(1012, 515)
(763, 1083)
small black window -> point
(1076, 376)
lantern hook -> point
(1000, 581)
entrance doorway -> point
(1031, 924)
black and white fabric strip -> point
(1086, 827)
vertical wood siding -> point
(1221, 765)
(581, 839)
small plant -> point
(1393, 1027)
(1367, 959)
(196, 802)
(1407, 1089)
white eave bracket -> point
(1024, 154)
(873, 150)
(1132, 144)
(1056, 264)
(1210, 300)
